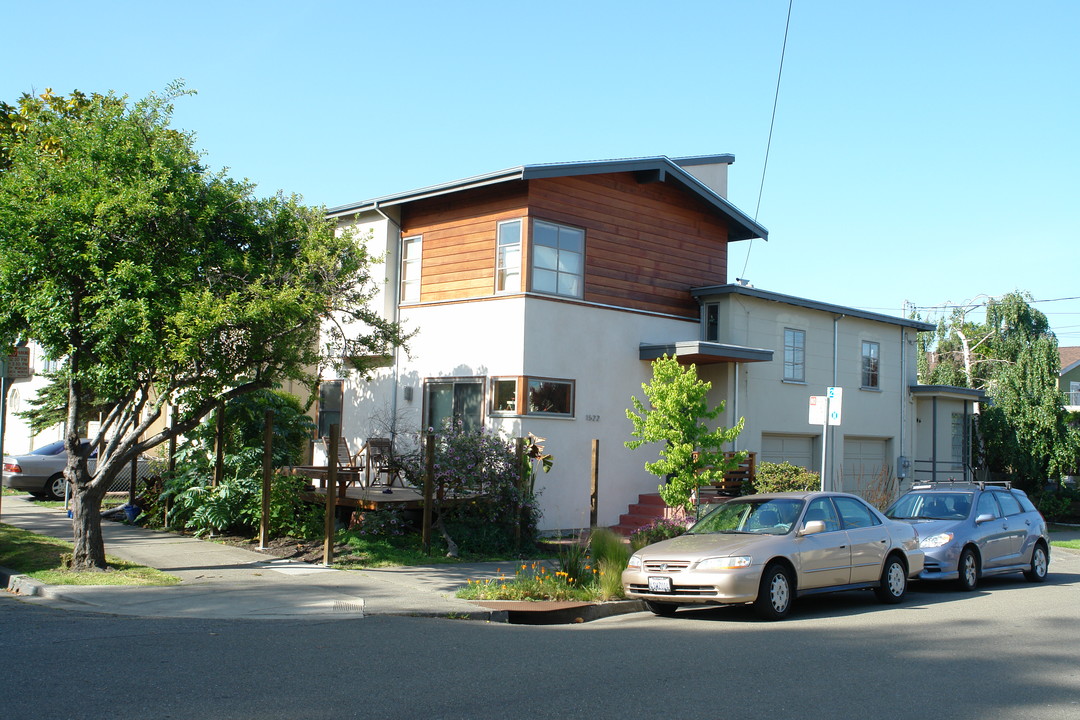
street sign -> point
(836, 399)
(17, 366)
(819, 405)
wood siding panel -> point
(459, 232)
(646, 245)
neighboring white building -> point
(18, 438)
(541, 293)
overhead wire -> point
(772, 125)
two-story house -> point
(541, 293)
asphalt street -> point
(1010, 650)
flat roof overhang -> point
(700, 352)
(948, 391)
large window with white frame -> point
(411, 256)
(794, 355)
(558, 259)
(508, 257)
(871, 365)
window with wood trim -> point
(794, 355)
(550, 397)
(508, 257)
(558, 259)
(871, 364)
(504, 396)
(411, 256)
(330, 404)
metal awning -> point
(700, 352)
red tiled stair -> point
(650, 507)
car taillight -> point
(12, 467)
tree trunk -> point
(86, 526)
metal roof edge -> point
(732, 289)
(744, 228)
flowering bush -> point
(662, 529)
(380, 523)
(478, 473)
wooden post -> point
(519, 457)
(219, 445)
(331, 494)
(429, 481)
(268, 469)
(595, 484)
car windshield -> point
(53, 448)
(774, 516)
(931, 506)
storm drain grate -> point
(356, 608)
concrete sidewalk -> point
(220, 581)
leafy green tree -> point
(1013, 356)
(692, 454)
(160, 283)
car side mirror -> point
(812, 527)
(984, 518)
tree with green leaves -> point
(161, 284)
(691, 454)
(1013, 356)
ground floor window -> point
(329, 406)
(454, 398)
(551, 397)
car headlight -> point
(725, 563)
(936, 541)
(634, 563)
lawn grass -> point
(41, 558)
(1073, 544)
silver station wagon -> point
(771, 548)
(969, 530)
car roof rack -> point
(953, 482)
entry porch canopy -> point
(700, 352)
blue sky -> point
(924, 152)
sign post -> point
(819, 415)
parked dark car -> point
(971, 530)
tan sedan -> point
(769, 549)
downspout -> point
(397, 316)
(903, 390)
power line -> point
(772, 124)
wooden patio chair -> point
(378, 463)
(352, 465)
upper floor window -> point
(871, 354)
(410, 269)
(794, 355)
(558, 259)
(508, 257)
(712, 323)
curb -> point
(18, 584)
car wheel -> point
(1040, 561)
(662, 609)
(775, 594)
(893, 585)
(54, 487)
(969, 570)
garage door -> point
(864, 462)
(794, 449)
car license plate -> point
(659, 584)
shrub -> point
(663, 529)
(783, 477)
(610, 554)
(479, 471)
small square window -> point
(504, 393)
